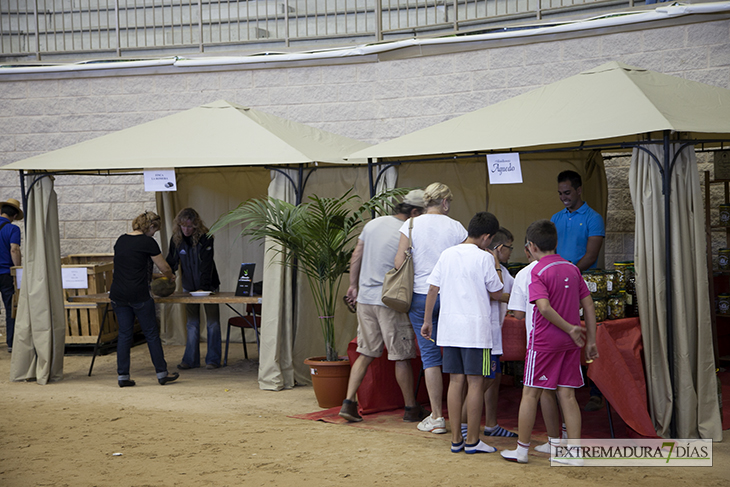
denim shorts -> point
(430, 352)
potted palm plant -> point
(316, 237)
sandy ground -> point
(217, 428)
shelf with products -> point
(719, 280)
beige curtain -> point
(276, 368)
(40, 326)
(518, 205)
(212, 192)
(515, 205)
(697, 408)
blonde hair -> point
(185, 215)
(435, 193)
(146, 220)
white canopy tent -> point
(619, 107)
(213, 148)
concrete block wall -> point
(372, 102)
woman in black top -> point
(191, 249)
(134, 255)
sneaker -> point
(457, 447)
(415, 413)
(126, 383)
(212, 366)
(499, 431)
(544, 448)
(349, 411)
(594, 403)
(570, 461)
(433, 425)
(168, 378)
(479, 447)
(515, 455)
(183, 366)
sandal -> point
(351, 306)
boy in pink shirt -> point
(553, 354)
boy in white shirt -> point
(502, 246)
(466, 277)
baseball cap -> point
(415, 198)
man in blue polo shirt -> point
(9, 256)
(580, 237)
(580, 228)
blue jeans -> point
(145, 313)
(430, 352)
(191, 356)
(7, 290)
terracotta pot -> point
(329, 380)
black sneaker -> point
(349, 411)
(168, 378)
(415, 414)
(126, 383)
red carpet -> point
(595, 424)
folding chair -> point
(248, 321)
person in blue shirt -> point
(580, 228)
(9, 256)
(580, 236)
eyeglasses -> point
(507, 246)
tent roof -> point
(613, 103)
(216, 134)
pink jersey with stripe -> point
(561, 283)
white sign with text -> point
(74, 277)
(160, 180)
(504, 168)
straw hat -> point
(15, 204)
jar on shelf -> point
(723, 304)
(632, 304)
(725, 214)
(612, 284)
(596, 282)
(615, 306)
(621, 267)
(601, 310)
(723, 259)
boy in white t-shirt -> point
(502, 246)
(519, 302)
(466, 277)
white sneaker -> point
(573, 462)
(519, 455)
(544, 448)
(433, 425)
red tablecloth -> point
(618, 372)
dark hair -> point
(502, 236)
(9, 210)
(571, 176)
(483, 223)
(543, 234)
(406, 209)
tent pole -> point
(370, 177)
(23, 196)
(668, 286)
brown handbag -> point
(398, 283)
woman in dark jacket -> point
(134, 255)
(192, 250)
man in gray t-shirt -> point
(378, 325)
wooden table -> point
(227, 298)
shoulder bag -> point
(398, 283)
